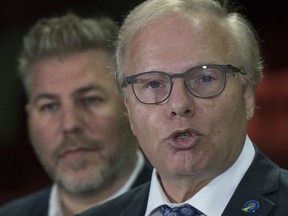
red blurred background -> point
(21, 172)
(269, 127)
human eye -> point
(205, 77)
(154, 81)
(154, 84)
(91, 100)
(48, 107)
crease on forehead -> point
(195, 21)
(205, 26)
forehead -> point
(175, 39)
(75, 71)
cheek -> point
(146, 125)
(138, 118)
(107, 127)
(43, 144)
(43, 135)
(224, 113)
(233, 116)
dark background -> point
(19, 168)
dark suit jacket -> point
(36, 204)
(264, 182)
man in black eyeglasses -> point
(188, 70)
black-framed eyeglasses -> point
(203, 81)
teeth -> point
(183, 135)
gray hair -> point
(60, 36)
(243, 35)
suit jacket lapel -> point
(137, 206)
(244, 194)
(144, 176)
(258, 181)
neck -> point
(182, 189)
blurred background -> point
(20, 170)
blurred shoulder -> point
(32, 204)
(130, 203)
(284, 181)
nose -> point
(70, 119)
(181, 101)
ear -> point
(249, 97)
(127, 105)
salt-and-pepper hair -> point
(61, 36)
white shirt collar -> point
(55, 208)
(207, 200)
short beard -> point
(99, 179)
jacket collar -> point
(137, 206)
(260, 179)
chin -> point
(81, 181)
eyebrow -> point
(89, 88)
(43, 96)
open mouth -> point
(184, 139)
(183, 135)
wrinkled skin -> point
(189, 140)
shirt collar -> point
(211, 204)
(55, 208)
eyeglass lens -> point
(155, 87)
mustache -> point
(74, 142)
